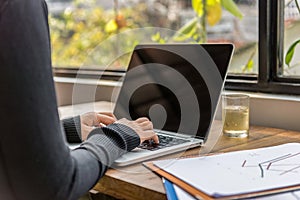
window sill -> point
(270, 110)
(83, 81)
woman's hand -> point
(92, 120)
(143, 127)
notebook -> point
(236, 175)
(178, 87)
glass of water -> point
(235, 115)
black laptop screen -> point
(176, 86)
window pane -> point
(291, 38)
(101, 33)
(83, 32)
(243, 33)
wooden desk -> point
(137, 182)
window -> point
(96, 35)
(291, 39)
(273, 31)
(93, 34)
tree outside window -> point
(79, 26)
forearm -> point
(97, 153)
(109, 143)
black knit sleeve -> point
(72, 129)
(109, 143)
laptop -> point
(177, 86)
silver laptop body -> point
(177, 86)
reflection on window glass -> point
(244, 34)
(291, 39)
(101, 34)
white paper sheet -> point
(239, 172)
(295, 195)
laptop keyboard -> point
(164, 141)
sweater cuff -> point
(129, 137)
(72, 129)
(109, 143)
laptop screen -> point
(177, 86)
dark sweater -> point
(35, 161)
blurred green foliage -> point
(87, 35)
(76, 33)
(207, 12)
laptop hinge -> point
(182, 135)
